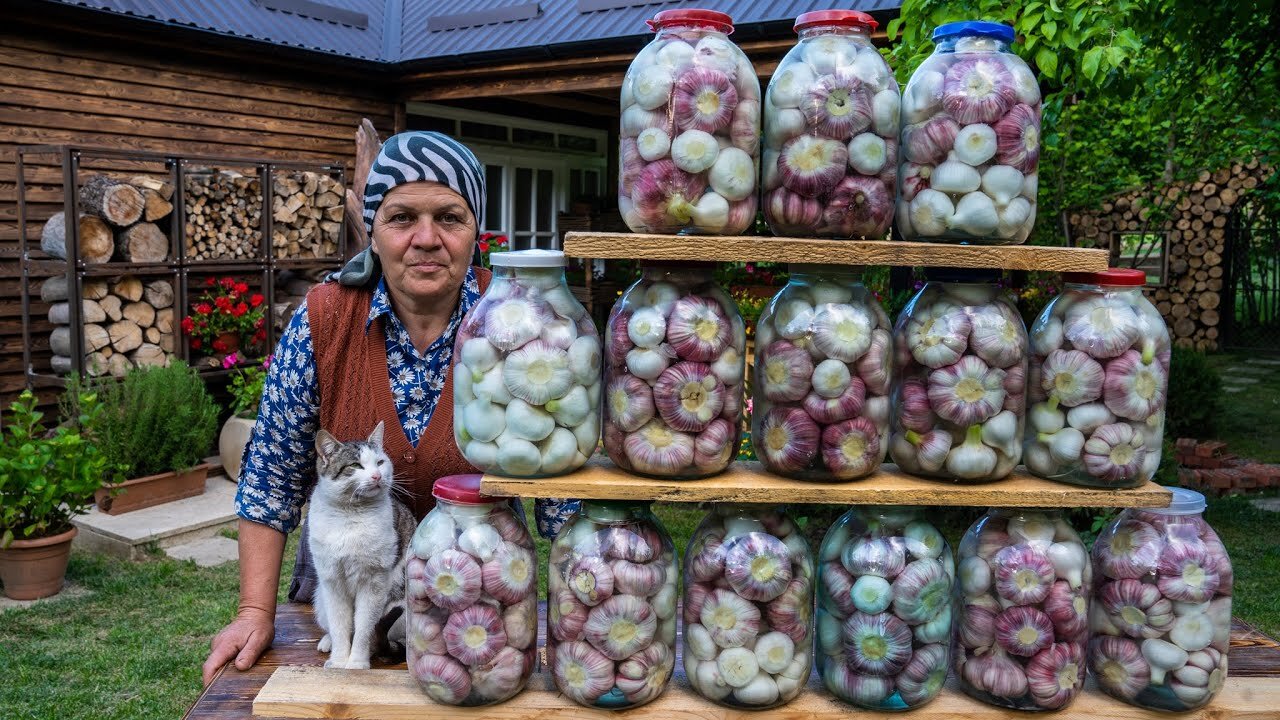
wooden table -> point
(232, 692)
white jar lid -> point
(536, 257)
(1185, 502)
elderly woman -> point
(373, 346)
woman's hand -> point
(251, 633)
(243, 640)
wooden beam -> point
(617, 246)
(578, 103)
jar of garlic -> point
(1161, 618)
(960, 365)
(1098, 382)
(970, 140)
(831, 132)
(611, 606)
(748, 599)
(472, 597)
(824, 359)
(689, 139)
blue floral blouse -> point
(280, 462)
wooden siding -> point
(93, 92)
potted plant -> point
(246, 396)
(46, 478)
(226, 318)
(159, 424)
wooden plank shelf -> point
(312, 692)
(629, 246)
(749, 482)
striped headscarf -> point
(412, 157)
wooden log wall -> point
(1198, 214)
(60, 87)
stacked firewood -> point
(127, 322)
(123, 220)
(291, 288)
(223, 214)
(1196, 229)
(306, 208)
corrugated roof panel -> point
(249, 19)
(561, 22)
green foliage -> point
(47, 478)
(246, 389)
(156, 419)
(1195, 395)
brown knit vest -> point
(355, 390)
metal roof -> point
(405, 30)
(562, 22)
(258, 20)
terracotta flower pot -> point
(231, 443)
(34, 569)
(230, 342)
(146, 492)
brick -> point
(1210, 463)
(1188, 478)
(1210, 448)
(1264, 476)
(1187, 445)
(1217, 479)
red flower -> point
(484, 246)
(239, 310)
(227, 282)
(188, 325)
(260, 336)
(223, 303)
(219, 345)
(208, 282)
(195, 343)
(255, 300)
(203, 308)
(242, 288)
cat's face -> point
(358, 470)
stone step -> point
(1250, 369)
(1269, 504)
(1233, 390)
(1263, 361)
(1229, 380)
(206, 552)
(132, 534)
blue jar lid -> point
(1000, 31)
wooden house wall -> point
(56, 88)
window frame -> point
(1117, 248)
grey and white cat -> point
(358, 535)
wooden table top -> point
(231, 693)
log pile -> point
(291, 289)
(306, 210)
(1197, 232)
(223, 215)
(127, 322)
(123, 220)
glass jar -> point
(960, 365)
(748, 607)
(1024, 581)
(970, 140)
(831, 132)
(1099, 379)
(1161, 617)
(673, 374)
(824, 355)
(611, 605)
(526, 383)
(885, 609)
(689, 143)
(472, 597)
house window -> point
(1146, 251)
(533, 170)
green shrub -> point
(156, 419)
(47, 478)
(1195, 396)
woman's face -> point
(424, 234)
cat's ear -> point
(326, 444)
(375, 437)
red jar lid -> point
(1131, 277)
(464, 489)
(709, 18)
(845, 18)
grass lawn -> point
(132, 646)
(1247, 421)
